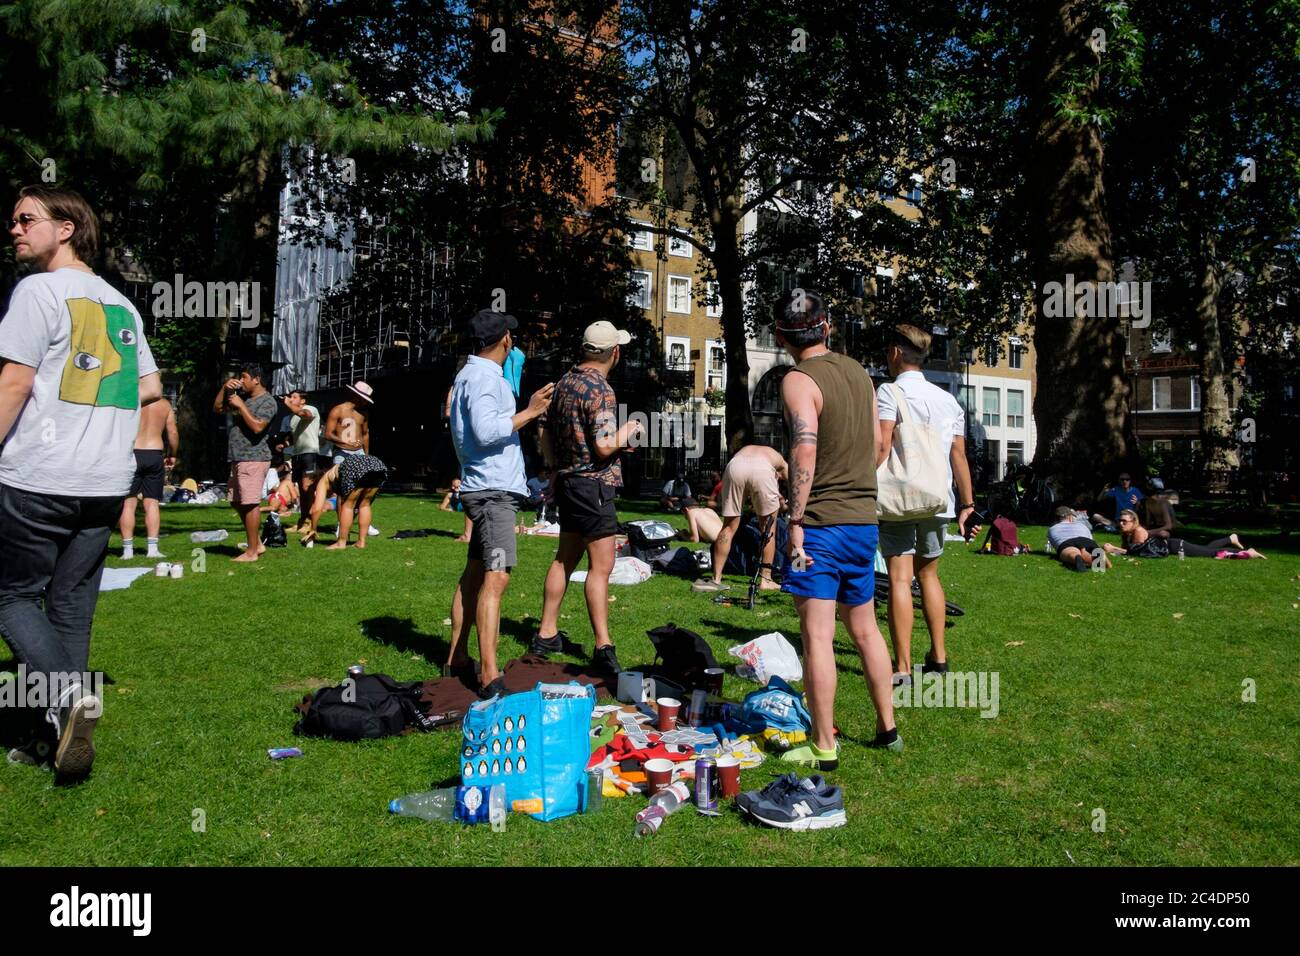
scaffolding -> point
(395, 312)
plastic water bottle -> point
(209, 537)
(439, 805)
(497, 807)
(672, 798)
(1181, 555)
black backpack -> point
(679, 561)
(372, 705)
(685, 655)
(273, 535)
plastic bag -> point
(769, 656)
(625, 571)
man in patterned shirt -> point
(581, 441)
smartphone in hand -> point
(973, 522)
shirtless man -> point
(357, 475)
(157, 420)
(754, 473)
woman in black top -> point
(1141, 543)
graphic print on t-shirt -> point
(103, 366)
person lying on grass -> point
(1071, 536)
(1141, 543)
(705, 523)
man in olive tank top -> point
(830, 408)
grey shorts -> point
(923, 537)
(493, 539)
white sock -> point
(153, 548)
(128, 547)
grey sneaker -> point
(809, 805)
(773, 790)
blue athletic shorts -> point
(843, 565)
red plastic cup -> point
(668, 710)
(658, 774)
(729, 776)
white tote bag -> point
(912, 483)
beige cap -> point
(602, 336)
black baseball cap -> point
(489, 326)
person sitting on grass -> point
(1139, 542)
(451, 502)
(285, 496)
(1160, 518)
(1071, 537)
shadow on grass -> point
(401, 634)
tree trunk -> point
(1220, 455)
(726, 263)
(1081, 406)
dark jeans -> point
(1193, 550)
(52, 551)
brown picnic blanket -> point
(445, 696)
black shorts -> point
(586, 507)
(148, 480)
(1086, 545)
(304, 464)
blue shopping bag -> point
(534, 742)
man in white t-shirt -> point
(305, 450)
(75, 370)
(914, 547)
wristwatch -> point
(964, 507)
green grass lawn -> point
(1120, 691)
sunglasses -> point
(26, 219)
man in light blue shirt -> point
(485, 430)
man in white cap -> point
(581, 441)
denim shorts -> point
(843, 567)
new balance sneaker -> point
(809, 805)
(606, 659)
(544, 646)
(773, 790)
(74, 721)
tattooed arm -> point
(802, 399)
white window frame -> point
(1015, 352)
(712, 300)
(1016, 421)
(709, 373)
(680, 246)
(648, 294)
(1155, 394)
(686, 299)
(1196, 394)
(996, 414)
(685, 342)
(635, 237)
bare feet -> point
(247, 557)
(1255, 554)
(1236, 542)
(767, 584)
(462, 539)
(308, 538)
(360, 544)
(338, 545)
